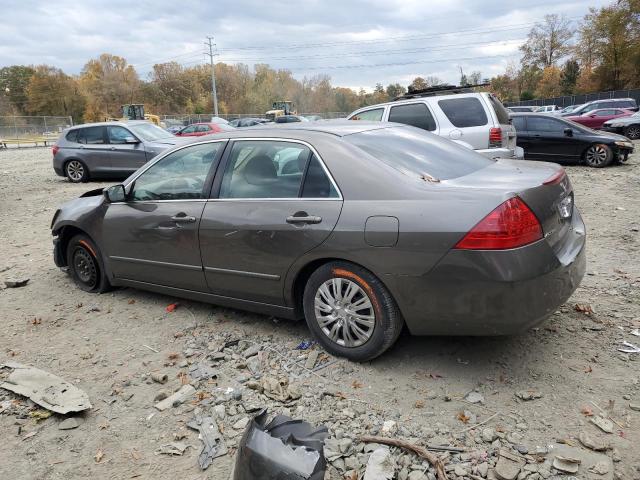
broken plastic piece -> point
(213, 444)
(285, 448)
(630, 348)
(177, 398)
(45, 389)
(305, 345)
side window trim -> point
(224, 160)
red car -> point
(595, 118)
(199, 129)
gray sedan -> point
(361, 228)
(108, 149)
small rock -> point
(459, 471)
(68, 424)
(241, 424)
(345, 445)
(312, 358)
(251, 351)
(601, 468)
(474, 397)
(389, 427)
(161, 395)
(483, 468)
(417, 475)
(508, 466)
(526, 395)
(219, 412)
(522, 449)
(566, 464)
(635, 406)
(16, 283)
(590, 442)
(489, 434)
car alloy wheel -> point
(633, 132)
(75, 171)
(344, 312)
(598, 155)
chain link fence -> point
(567, 100)
(22, 131)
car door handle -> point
(303, 219)
(183, 219)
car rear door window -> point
(415, 114)
(189, 129)
(374, 115)
(203, 128)
(259, 169)
(91, 135)
(464, 112)
(316, 182)
(519, 123)
(542, 124)
(181, 175)
(119, 135)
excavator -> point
(279, 108)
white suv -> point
(476, 119)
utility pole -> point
(213, 75)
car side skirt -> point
(256, 307)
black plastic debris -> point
(284, 449)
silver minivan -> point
(108, 149)
(478, 120)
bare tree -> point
(548, 42)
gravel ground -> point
(108, 345)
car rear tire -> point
(76, 171)
(598, 155)
(350, 312)
(85, 265)
(632, 132)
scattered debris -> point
(284, 445)
(526, 395)
(584, 308)
(566, 464)
(177, 398)
(202, 371)
(420, 451)
(39, 415)
(45, 389)
(635, 406)
(175, 448)
(171, 307)
(474, 397)
(160, 377)
(602, 423)
(276, 389)
(213, 445)
(312, 358)
(151, 348)
(16, 283)
(629, 348)
(99, 455)
(305, 345)
(509, 465)
(380, 466)
(635, 332)
(69, 424)
(600, 468)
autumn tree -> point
(569, 76)
(52, 92)
(395, 90)
(108, 83)
(547, 42)
(549, 85)
(13, 84)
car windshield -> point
(418, 153)
(149, 132)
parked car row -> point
(574, 110)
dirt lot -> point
(107, 344)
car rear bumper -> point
(493, 292)
(517, 154)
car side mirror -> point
(115, 193)
(131, 140)
(568, 132)
(592, 115)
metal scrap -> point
(213, 443)
(45, 389)
(629, 348)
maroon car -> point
(595, 118)
(203, 128)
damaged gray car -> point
(361, 228)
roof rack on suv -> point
(439, 90)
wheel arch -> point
(65, 234)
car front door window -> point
(119, 135)
(181, 175)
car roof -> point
(103, 124)
(338, 128)
(417, 99)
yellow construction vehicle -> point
(136, 112)
(279, 108)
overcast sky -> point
(358, 43)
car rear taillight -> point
(55, 149)
(495, 137)
(556, 178)
(511, 225)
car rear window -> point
(72, 136)
(501, 112)
(415, 152)
(464, 112)
(415, 114)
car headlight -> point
(624, 144)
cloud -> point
(358, 43)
